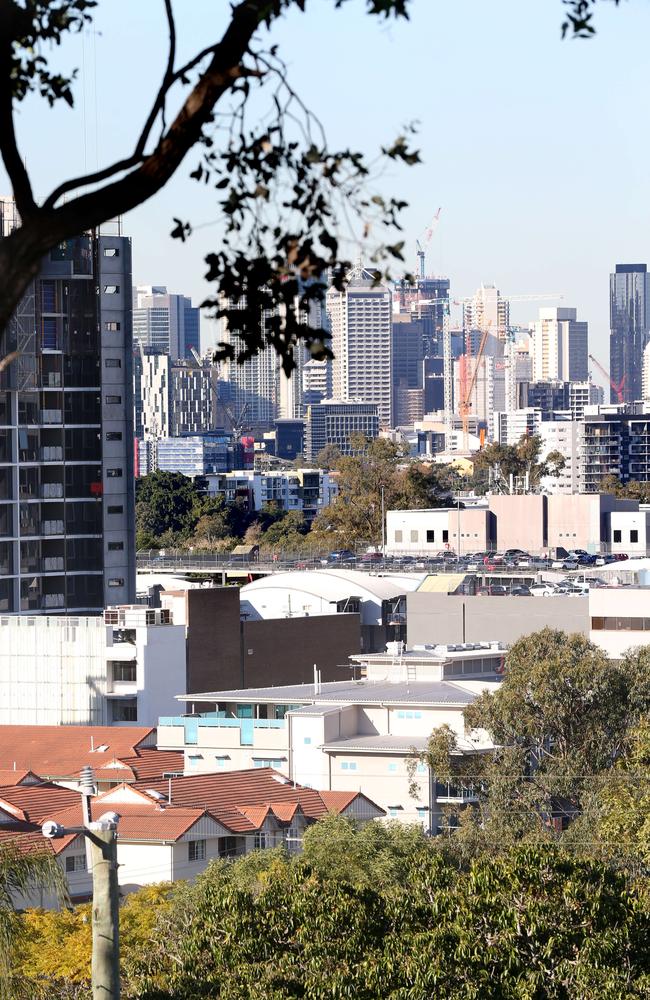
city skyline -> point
(565, 130)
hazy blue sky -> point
(536, 149)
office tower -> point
(487, 310)
(167, 324)
(645, 374)
(629, 321)
(332, 422)
(66, 434)
(559, 347)
(316, 382)
(518, 367)
(488, 390)
(176, 398)
(360, 321)
(406, 359)
(433, 377)
(426, 300)
(583, 394)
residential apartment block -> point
(559, 346)
(333, 422)
(349, 735)
(66, 434)
(164, 323)
(175, 397)
(304, 490)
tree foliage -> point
(518, 460)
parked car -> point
(492, 590)
(371, 557)
(515, 554)
(341, 555)
(520, 592)
(582, 556)
(542, 590)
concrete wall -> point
(438, 618)
(618, 613)
(406, 530)
(627, 522)
(521, 522)
(284, 650)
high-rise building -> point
(332, 422)
(629, 321)
(164, 323)
(316, 382)
(559, 346)
(426, 300)
(360, 321)
(645, 374)
(487, 311)
(66, 434)
(488, 390)
(407, 356)
(176, 397)
(433, 378)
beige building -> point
(357, 735)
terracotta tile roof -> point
(145, 820)
(151, 763)
(61, 751)
(227, 796)
(29, 837)
(338, 801)
(36, 802)
(10, 777)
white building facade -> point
(360, 319)
(559, 346)
(124, 668)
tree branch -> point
(13, 162)
(138, 153)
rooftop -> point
(365, 692)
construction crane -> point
(616, 387)
(465, 401)
(423, 242)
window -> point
(112, 363)
(196, 850)
(293, 839)
(115, 546)
(421, 768)
(422, 813)
(114, 473)
(445, 535)
(268, 762)
(431, 535)
(617, 534)
(392, 811)
(398, 536)
(111, 252)
(111, 289)
(113, 435)
(261, 841)
(414, 536)
(116, 581)
(194, 759)
(116, 509)
(307, 740)
(113, 399)
(112, 325)
(634, 535)
(392, 767)
(75, 863)
(348, 765)
(123, 671)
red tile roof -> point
(61, 751)
(227, 796)
(152, 763)
(145, 820)
(36, 802)
(8, 776)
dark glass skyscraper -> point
(629, 322)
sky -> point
(536, 149)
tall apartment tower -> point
(66, 434)
(426, 300)
(559, 346)
(629, 321)
(360, 321)
(487, 310)
(167, 324)
(177, 398)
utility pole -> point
(383, 525)
(101, 852)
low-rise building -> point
(123, 668)
(172, 829)
(619, 618)
(305, 490)
(332, 422)
(361, 734)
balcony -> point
(446, 792)
(200, 731)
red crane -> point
(617, 387)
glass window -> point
(114, 473)
(392, 767)
(116, 581)
(112, 326)
(414, 536)
(75, 863)
(307, 740)
(598, 623)
(445, 535)
(123, 671)
(398, 536)
(111, 252)
(113, 399)
(112, 363)
(115, 546)
(261, 841)
(196, 850)
(617, 534)
(111, 289)
(392, 811)
(431, 535)
(634, 535)
(113, 435)
(115, 509)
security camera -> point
(52, 830)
